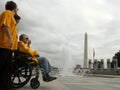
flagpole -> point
(93, 54)
(93, 57)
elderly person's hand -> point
(29, 42)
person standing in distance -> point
(8, 43)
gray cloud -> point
(53, 25)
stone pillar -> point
(108, 64)
(95, 64)
(90, 64)
(98, 65)
(115, 64)
(102, 64)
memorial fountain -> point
(68, 63)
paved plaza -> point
(79, 83)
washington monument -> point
(85, 51)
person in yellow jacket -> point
(24, 46)
(8, 43)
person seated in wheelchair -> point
(24, 46)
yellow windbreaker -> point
(22, 47)
(7, 19)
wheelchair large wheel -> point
(21, 75)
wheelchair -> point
(24, 68)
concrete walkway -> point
(53, 85)
(79, 83)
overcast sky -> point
(57, 28)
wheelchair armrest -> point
(22, 54)
(24, 57)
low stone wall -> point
(106, 72)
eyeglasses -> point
(27, 38)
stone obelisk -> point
(85, 51)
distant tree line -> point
(116, 56)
